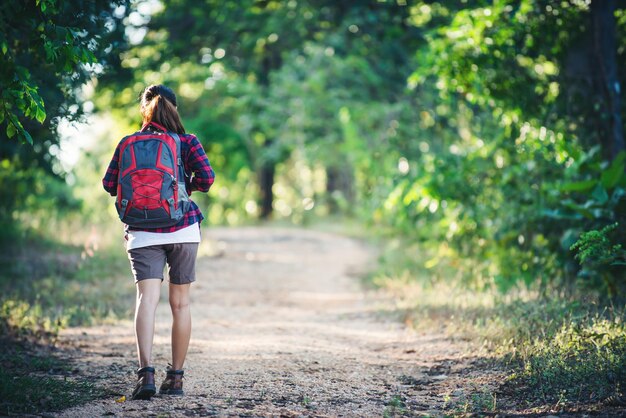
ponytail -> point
(158, 104)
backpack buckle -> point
(172, 208)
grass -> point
(395, 407)
(32, 380)
(46, 286)
(476, 401)
(66, 289)
(558, 353)
(583, 362)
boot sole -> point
(145, 393)
(172, 392)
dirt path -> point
(281, 327)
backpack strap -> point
(145, 126)
(179, 156)
(181, 169)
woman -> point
(150, 249)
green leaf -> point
(27, 136)
(22, 74)
(569, 237)
(11, 131)
(579, 209)
(5, 48)
(560, 214)
(578, 186)
(40, 114)
(612, 175)
(600, 194)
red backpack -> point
(151, 189)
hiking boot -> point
(145, 387)
(173, 383)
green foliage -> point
(42, 41)
(595, 248)
(582, 362)
(595, 202)
(449, 125)
(36, 198)
(26, 98)
(474, 134)
(274, 76)
(499, 178)
(19, 319)
(601, 256)
(48, 50)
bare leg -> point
(181, 326)
(148, 292)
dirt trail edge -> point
(281, 327)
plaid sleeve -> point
(197, 161)
(110, 177)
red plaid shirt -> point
(199, 176)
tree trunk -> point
(267, 169)
(266, 181)
(339, 180)
(604, 56)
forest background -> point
(479, 142)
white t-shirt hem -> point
(139, 239)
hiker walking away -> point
(152, 173)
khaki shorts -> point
(149, 262)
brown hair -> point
(158, 104)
